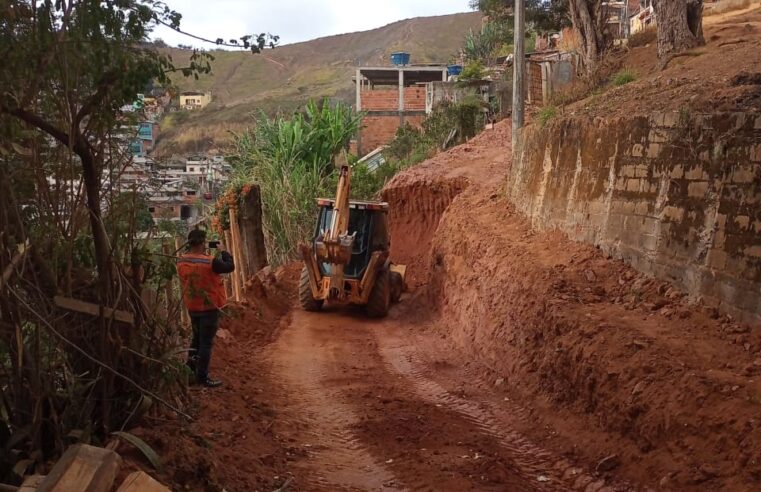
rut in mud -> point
(513, 364)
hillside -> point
(286, 77)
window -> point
(192, 169)
(190, 193)
(151, 209)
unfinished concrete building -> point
(391, 97)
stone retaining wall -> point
(677, 195)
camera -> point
(213, 244)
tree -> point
(68, 68)
(74, 64)
(589, 21)
(541, 15)
(680, 26)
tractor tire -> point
(380, 295)
(308, 302)
(397, 286)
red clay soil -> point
(614, 363)
(519, 361)
(701, 80)
(230, 444)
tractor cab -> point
(347, 261)
(368, 222)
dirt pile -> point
(617, 363)
(231, 444)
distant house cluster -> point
(179, 189)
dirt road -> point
(384, 406)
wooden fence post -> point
(234, 277)
(240, 267)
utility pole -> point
(519, 67)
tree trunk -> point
(91, 177)
(680, 26)
(589, 22)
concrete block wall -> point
(676, 195)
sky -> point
(294, 20)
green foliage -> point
(412, 145)
(68, 68)
(547, 114)
(541, 15)
(482, 46)
(474, 70)
(292, 160)
(624, 77)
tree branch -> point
(38, 122)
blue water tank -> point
(454, 70)
(400, 58)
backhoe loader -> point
(347, 261)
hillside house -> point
(190, 100)
(641, 15)
(391, 97)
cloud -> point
(295, 20)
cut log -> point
(141, 482)
(31, 483)
(93, 309)
(83, 468)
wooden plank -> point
(234, 278)
(237, 253)
(140, 481)
(184, 316)
(83, 468)
(31, 483)
(93, 309)
(226, 279)
(22, 249)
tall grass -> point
(292, 160)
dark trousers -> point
(204, 330)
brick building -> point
(391, 97)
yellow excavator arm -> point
(336, 244)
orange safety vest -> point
(202, 289)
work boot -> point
(209, 383)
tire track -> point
(337, 458)
(548, 472)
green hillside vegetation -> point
(285, 78)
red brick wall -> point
(388, 99)
(377, 131)
(380, 130)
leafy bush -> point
(624, 77)
(474, 70)
(547, 114)
(482, 45)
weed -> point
(624, 77)
(547, 114)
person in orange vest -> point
(204, 296)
